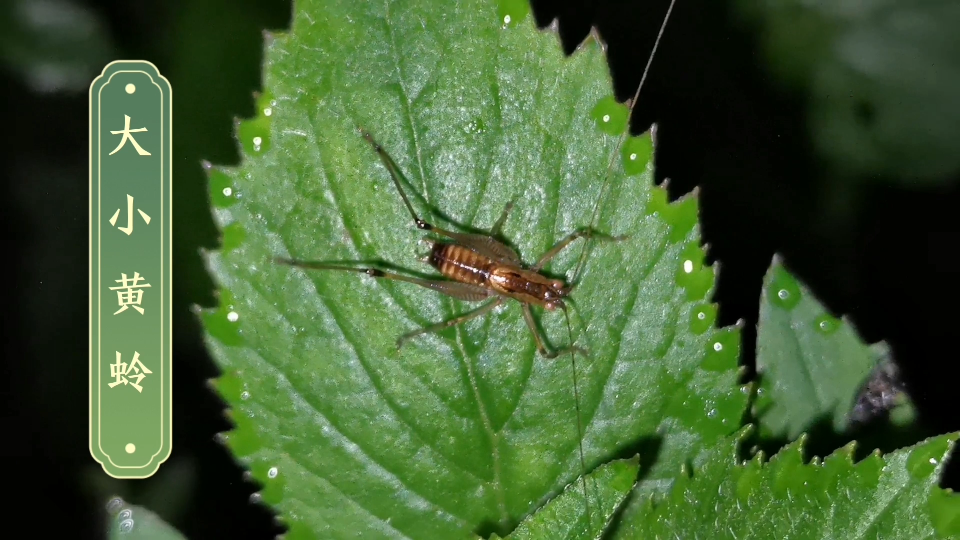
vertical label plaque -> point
(130, 267)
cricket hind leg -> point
(483, 244)
(453, 289)
(434, 328)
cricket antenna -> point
(576, 404)
(583, 258)
(616, 150)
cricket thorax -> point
(527, 286)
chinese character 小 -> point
(129, 228)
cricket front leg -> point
(542, 348)
(569, 239)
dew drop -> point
(272, 472)
(702, 318)
(267, 111)
(221, 187)
(233, 316)
(636, 154)
(826, 324)
(255, 134)
(114, 505)
(610, 117)
(692, 275)
(923, 460)
(784, 289)
(126, 513)
(712, 413)
(511, 12)
(723, 352)
(255, 497)
(125, 526)
(244, 395)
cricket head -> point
(556, 291)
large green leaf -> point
(890, 496)
(470, 430)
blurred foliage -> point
(132, 522)
(55, 45)
(881, 80)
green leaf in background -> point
(881, 78)
(811, 365)
(890, 496)
(469, 431)
(616, 479)
(131, 522)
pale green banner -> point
(130, 269)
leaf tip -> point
(592, 38)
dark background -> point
(878, 246)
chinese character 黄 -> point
(130, 292)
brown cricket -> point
(476, 267)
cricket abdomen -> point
(461, 264)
